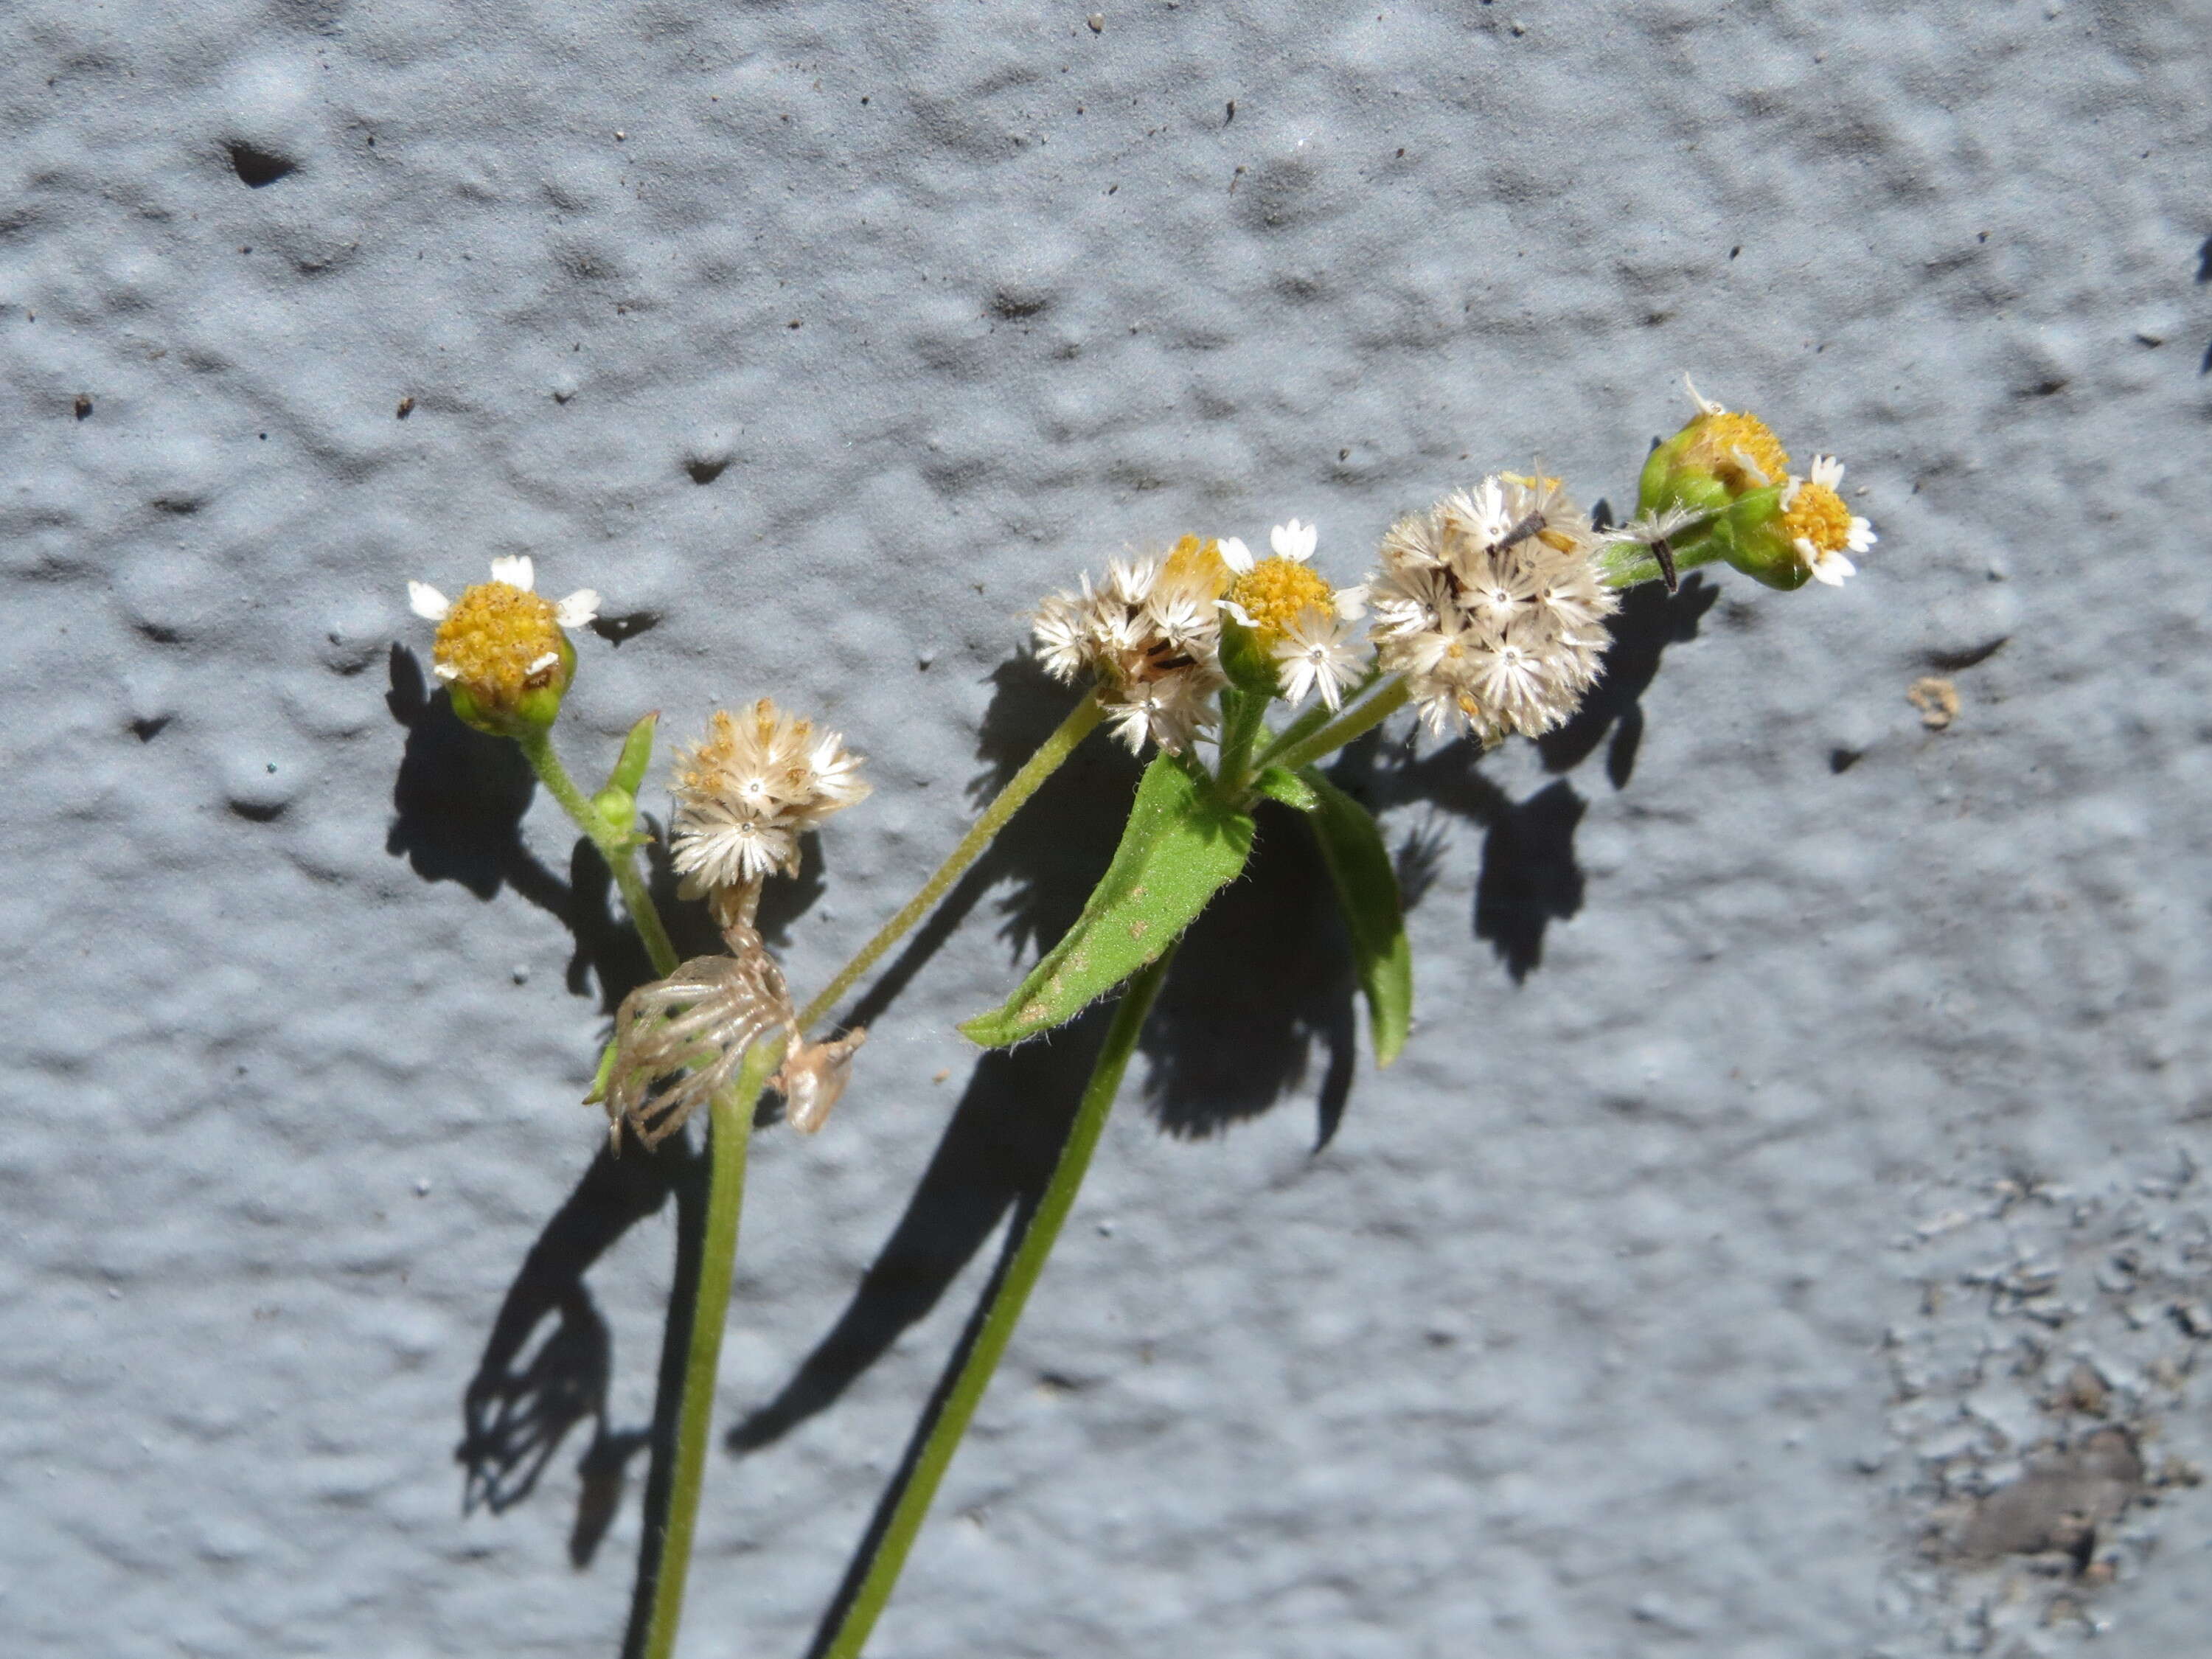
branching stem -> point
(1025, 783)
(1291, 752)
(613, 846)
(918, 1484)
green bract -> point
(533, 710)
(1367, 892)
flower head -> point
(1721, 487)
(1737, 447)
(1151, 635)
(747, 792)
(1490, 604)
(500, 648)
(1298, 622)
(1819, 527)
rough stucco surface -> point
(1797, 1147)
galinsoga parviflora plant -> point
(1486, 614)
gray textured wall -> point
(1803, 1119)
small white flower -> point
(1826, 529)
(1319, 651)
(512, 570)
(1294, 541)
(1235, 554)
(747, 793)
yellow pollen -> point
(495, 638)
(1274, 590)
(1198, 563)
(1817, 514)
(1723, 438)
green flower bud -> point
(1716, 459)
(617, 801)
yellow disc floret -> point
(1726, 441)
(499, 644)
(1197, 565)
(1817, 514)
(1274, 590)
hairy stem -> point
(1290, 753)
(1023, 784)
(1241, 715)
(613, 847)
(919, 1483)
(1312, 721)
(729, 1133)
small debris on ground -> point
(1937, 700)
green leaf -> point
(1182, 845)
(1367, 892)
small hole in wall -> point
(260, 169)
(705, 471)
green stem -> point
(918, 1484)
(1023, 784)
(1631, 564)
(1290, 753)
(730, 1133)
(1241, 715)
(613, 846)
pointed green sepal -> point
(1277, 783)
(1182, 844)
(618, 802)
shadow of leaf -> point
(1265, 972)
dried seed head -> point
(1151, 635)
(679, 1040)
(747, 793)
(1490, 606)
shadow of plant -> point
(1264, 976)
(546, 1367)
(457, 805)
(459, 799)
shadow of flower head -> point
(459, 799)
